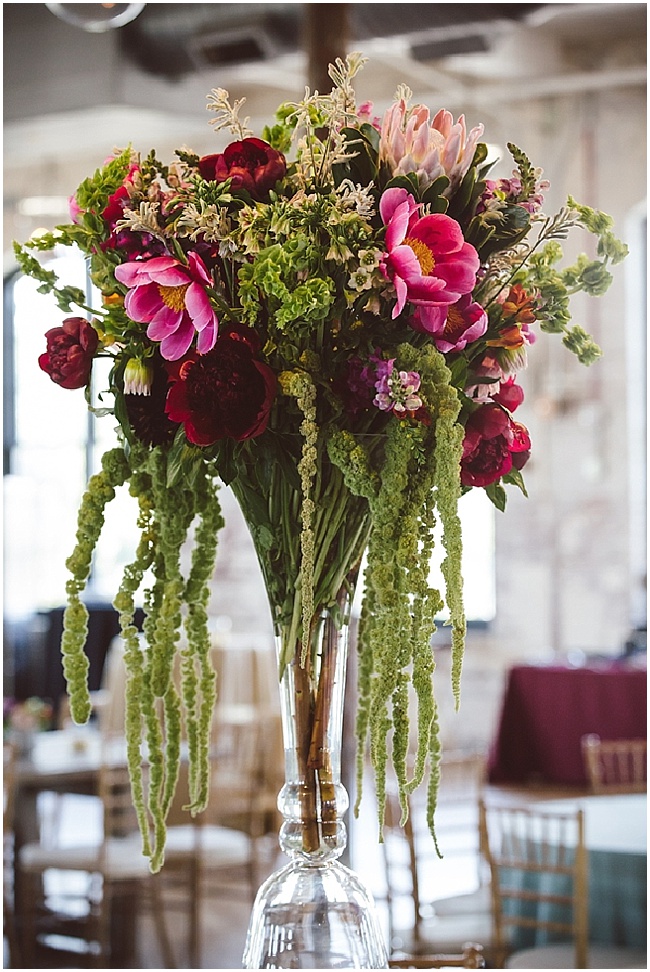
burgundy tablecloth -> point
(546, 711)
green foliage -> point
(527, 173)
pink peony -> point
(427, 258)
(410, 142)
(452, 327)
(171, 298)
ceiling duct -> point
(433, 50)
(174, 40)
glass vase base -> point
(314, 916)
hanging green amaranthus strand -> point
(100, 491)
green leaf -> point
(371, 135)
(514, 478)
(497, 494)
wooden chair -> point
(95, 921)
(615, 766)
(8, 804)
(471, 957)
(539, 879)
(224, 850)
(405, 854)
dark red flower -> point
(132, 244)
(226, 393)
(252, 164)
(70, 352)
(493, 444)
(146, 413)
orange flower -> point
(519, 306)
(509, 337)
(517, 312)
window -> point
(54, 444)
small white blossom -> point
(356, 197)
(145, 220)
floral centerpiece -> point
(31, 715)
(21, 719)
(330, 319)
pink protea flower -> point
(452, 327)
(171, 298)
(427, 258)
(410, 142)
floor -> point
(225, 915)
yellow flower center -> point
(423, 253)
(173, 297)
(454, 325)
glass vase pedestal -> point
(314, 913)
(314, 916)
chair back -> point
(538, 871)
(120, 818)
(406, 847)
(8, 786)
(615, 766)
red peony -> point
(252, 164)
(226, 393)
(493, 444)
(70, 352)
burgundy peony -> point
(226, 393)
(493, 444)
(252, 164)
(146, 413)
(70, 352)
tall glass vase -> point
(314, 913)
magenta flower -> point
(171, 298)
(452, 327)
(427, 258)
(492, 446)
(510, 395)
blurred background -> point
(562, 572)
(560, 578)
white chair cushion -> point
(216, 846)
(472, 903)
(122, 858)
(563, 957)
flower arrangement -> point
(330, 319)
(31, 715)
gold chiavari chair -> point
(471, 957)
(540, 891)
(615, 766)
